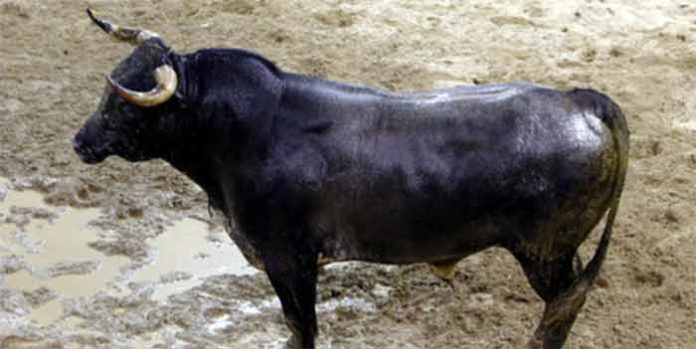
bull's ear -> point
(130, 35)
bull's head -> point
(132, 105)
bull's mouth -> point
(88, 155)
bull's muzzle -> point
(87, 152)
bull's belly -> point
(400, 244)
(397, 255)
(401, 234)
(432, 243)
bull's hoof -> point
(535, 343)
(293, 343)
(537, 340)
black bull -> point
(312, 171)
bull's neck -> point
(223, 118)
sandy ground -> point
(52, 63)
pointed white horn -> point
(133, 36)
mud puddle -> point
(46, 257)
(187, 253)
(45, 254)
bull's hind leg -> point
(554, 280)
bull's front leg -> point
(292, 270)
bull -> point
(310, 171)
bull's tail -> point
(562, 309)
(611, 115)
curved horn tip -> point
(105, 26)
(131, 35)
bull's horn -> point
(133, 36)
(166, 86)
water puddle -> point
(47, 313)
(51, 243)
(687, 125)
(44, 254)
(188, 252)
